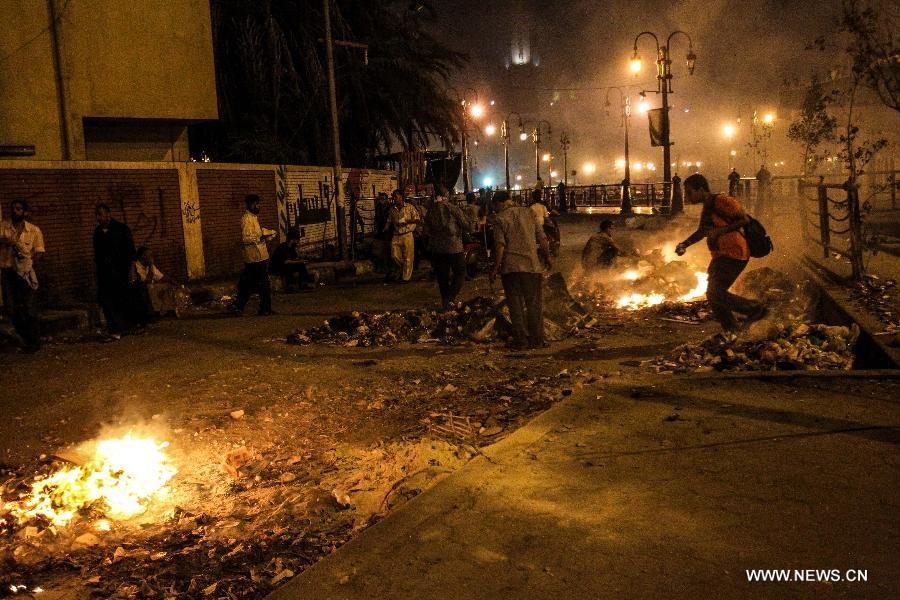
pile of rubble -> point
(791, 346)
(480, 319)
(477, 319)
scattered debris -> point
(874, 295)
(792, 346)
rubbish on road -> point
(790, 346)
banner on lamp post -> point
(655, 117)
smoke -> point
(745, 54)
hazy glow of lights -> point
(488, 181)
(589, 168)
(728, 130)
(637, 166)
(651, 167)
(523, 136)
(517, 187)
(477, 110)
(555, 174)
(698, 164)
(768, 118)
(620, 163)
(643, 106)
(734, 152)
(518, 178)
(492, 102)
(491, 129)
(546, 157)
(635, 65)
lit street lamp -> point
(471, 110)
(664, 87)
(536, 138)
(625, 102)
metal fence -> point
(850, 218)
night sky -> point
(745, 52)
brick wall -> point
(62, 202)
(222, 195)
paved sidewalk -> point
(667, 489)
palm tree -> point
(272, 83)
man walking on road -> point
(404, 218)
(721, 221)
(517, 239)
(444, 227)
(21, 243)
(255, 277)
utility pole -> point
(335, 132)
(564, 146)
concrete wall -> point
(188, 213)
(145, 67)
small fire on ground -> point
(637, 301)
(119, 480)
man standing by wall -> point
(721, 221)
(255, 276)
(444, 226)
(516, 239)
(21, 243)
(114, 256)
(404, 218)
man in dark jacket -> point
(286, 263)
(114, 256)
(444, 227)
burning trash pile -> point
(672, 288)
(475, 319)
(71, 504)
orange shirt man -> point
(721, 223)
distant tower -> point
(521, 49)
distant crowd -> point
(520, 242)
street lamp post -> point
(564, 146)
(664, 87)
(504, 133)
(625, 102)
(471, 110)
(536, 138)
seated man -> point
(156, 292)
(286, 263)
(601, 250)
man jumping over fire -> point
(721, 223)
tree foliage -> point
(874, 48)
(814, 127)
(273, 89)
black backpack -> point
(758, 240)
